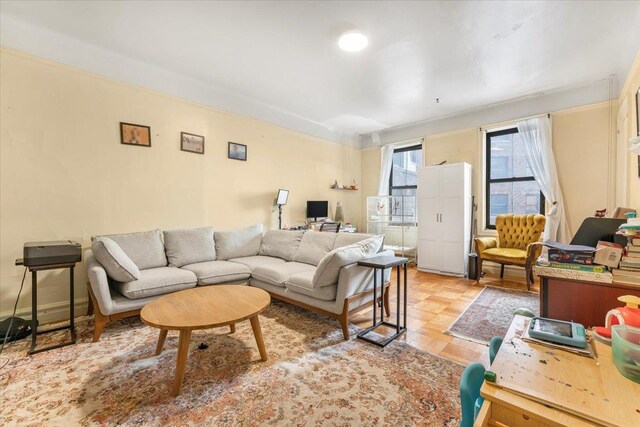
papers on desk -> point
(588, 352)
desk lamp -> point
(281, 200)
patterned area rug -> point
(491, 313)
(312, 377)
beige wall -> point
(581, 140)
(627, 102)
(65, 175)
(370, 178)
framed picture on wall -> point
(237, 151)
(191, 143)
(131, 134)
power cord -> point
(15, 307)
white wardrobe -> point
(444, 218)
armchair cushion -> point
(507, 255)
(302, 283)
(189, 246)
(238, 243)
(517, 231)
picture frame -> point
(133, 134)
(237, 151)
(191, 143)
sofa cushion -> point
(189, 246)
(346, 239)
(145, 248)
(302, 283)
(278, 274)
(113, 259)
(280, 243)
(313, 246)
(329, 267)
(212, 272)
(157, 281)
(258, 261)
(238, 243)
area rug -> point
(312, 377)
(491, 313)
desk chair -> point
(330, 227)
(517, 243)
(494, 346)
(470, 400)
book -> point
(630, 262)
(633, 248)
(633, 254)
(617, 272)
(634, 241)
(581, 267)
(627, 281)
(574, 254)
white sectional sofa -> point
(313, 270)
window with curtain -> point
(403, 180)
(511, 187)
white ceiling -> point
(279, 61)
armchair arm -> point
(484, 243)
(533, 252)
(99, 283)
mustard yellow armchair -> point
(518, 243)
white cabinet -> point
(444, 218)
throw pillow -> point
(113, 259)
(329, 267)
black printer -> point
(48, 253)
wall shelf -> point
(346, 189)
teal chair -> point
(494, 346)
(522, 311)
(470, 399)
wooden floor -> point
(434, 303)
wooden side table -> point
(381, 263)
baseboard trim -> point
(53, 312)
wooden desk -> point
(540, 386)
(581, 301)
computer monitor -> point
(594, 229)
(317, 209)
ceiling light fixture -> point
(352, 41)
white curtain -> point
(536, 134)
(386, 161)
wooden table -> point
(579, 300)
(204, 308)
(540, 386)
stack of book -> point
(629, 270)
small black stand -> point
(381, 263)
(279, 217)
(34, 306)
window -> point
(403, 181)
(511, 187)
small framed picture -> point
(237, 151)
(131, 134)
(191, 143)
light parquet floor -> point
(434, 302)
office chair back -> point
(494, 346)
(330, 227)
(470, 384)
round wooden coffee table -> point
(204, 308)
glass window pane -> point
(409, 213)
(508, 157)
(513, 197)
(405, 167)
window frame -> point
(489, 180)
(413, 147)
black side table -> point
(34, 306)
(381, 263)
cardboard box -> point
(608, 254)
